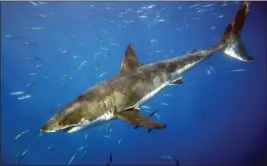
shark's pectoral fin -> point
(130, 61)
(134, 117)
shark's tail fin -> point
(231, 40)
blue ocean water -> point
(53, 51)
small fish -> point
(119, 142)
(146, 107)
(14, 37)
(107, 136)
(39, 65)
(86, 136)
(32, 74)
(151, 114)
(75, 57)
(103, 48)
(83, 154)
(165, 104)
(220, 16)
(211, 68)
(168, 95)
(21, 156)
(110, 157)
(165, 157)
(32, 84)
(109, 127)
(34, 28)
(82, 64)
(50, 147)
(157, 116)
(39, 15)
(81, 148)
(17, 137)
(24, 97)
(65, 52)
(176, 161)
(40, 134)
(211, 28)
(101, 75)
(30, 43)
(42, 3)
(72, 158)
(208, 71)
(33, 3)
(237, 70)
(35, 58)
(161, 20)
(17, 93)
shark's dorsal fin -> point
(130, 61)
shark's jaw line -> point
(101, 119)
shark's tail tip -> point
(231, 39)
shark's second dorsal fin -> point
(130, 61)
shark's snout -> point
(47, 129)
(51, 126)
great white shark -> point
(122, 95)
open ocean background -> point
(218, 116)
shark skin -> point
(122, 95)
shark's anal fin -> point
(130, 61)
(134, 117)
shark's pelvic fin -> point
(130, 61)
(232, 36)
(177, 82)
(134, 117)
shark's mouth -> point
(76, 127)
(67, 129)
(49, 131)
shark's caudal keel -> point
(122, 95)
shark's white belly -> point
(151, 94)
(101, 119)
